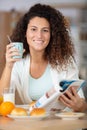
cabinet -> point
(83, 42)
(7, 23)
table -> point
(51, 123)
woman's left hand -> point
(72, 100)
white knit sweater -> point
(20, 77)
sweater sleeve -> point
(16, 80)
(71, 73)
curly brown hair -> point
(60, 49)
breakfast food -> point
(38, 112)
(32, 103)
(19, 112)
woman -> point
(48, 56)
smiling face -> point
(38, 34)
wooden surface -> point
(47, 124)
(8, 21)
(70, 5)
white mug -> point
(19, 46)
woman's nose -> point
(39, 34)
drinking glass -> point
(9, 95)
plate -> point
(18, 117)
(39, 117)
(70, 115)
(29, 117)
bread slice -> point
(19, 112)
(38, 112)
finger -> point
(70, 95)
(9, 46)
(66, 98)
(11, 56)
(13, 50)
(23, 50)
(74, 91)
(12, 60)
(64, 102)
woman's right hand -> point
(10, 52)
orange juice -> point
(1, 99)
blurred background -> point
(75, 11)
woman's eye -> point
(46, 30)
(33, 29)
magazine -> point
(50, 99)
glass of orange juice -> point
(1, 99)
